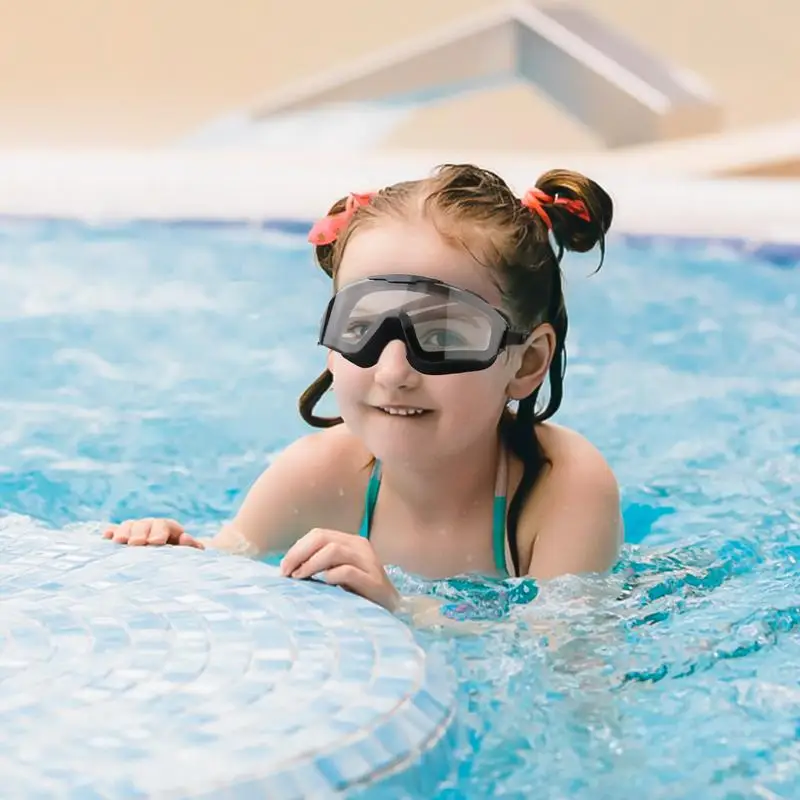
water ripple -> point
(154, 369)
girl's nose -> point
(393, 369)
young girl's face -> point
(460, 410)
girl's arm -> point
(309, 485)
(305, 487)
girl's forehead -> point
(418, 248)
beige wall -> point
(140, 71)
(788, 168)
(143, 71)
(514, 118)
(748, 50)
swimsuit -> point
(500, 544)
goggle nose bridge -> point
(392, 327)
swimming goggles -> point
(446, 330)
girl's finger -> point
(186, 540)
(305, 547)
(333, 554)
(140, 530)
(159, 532)
(353, 579)
(123, 532)
(365, 584)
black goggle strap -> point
(514, 337)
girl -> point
(447, 310)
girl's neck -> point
(447, 486)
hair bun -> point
(570, 230)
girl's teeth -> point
(403, 412)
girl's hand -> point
(347, 560)
(151, 531)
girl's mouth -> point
(403, 411)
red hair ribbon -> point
(535, 200)
(327, 229)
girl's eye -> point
(355, 329)
(441, 338)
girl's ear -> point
(536, 358)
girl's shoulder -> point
(332, 467)
(335, 446)
(575, 497)
(565, 448)
(318, 481)
(567, 452)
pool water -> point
(154, 369)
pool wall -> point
(258, 186)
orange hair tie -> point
(327, 229)
(535, 199)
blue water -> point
(154, 369)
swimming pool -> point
(154, 368)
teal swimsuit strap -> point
(499, 534)
(498, 513)
(369, 502)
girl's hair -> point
(475, 209)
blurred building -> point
(711, 82)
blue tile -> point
(376, 756)
(88, 793)
(391, 687)
(255, 789)
(429, 705)
(344, 768)
(393, 738)
(312, 782)
(329, 767)
(360, 716)
(343, 726)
